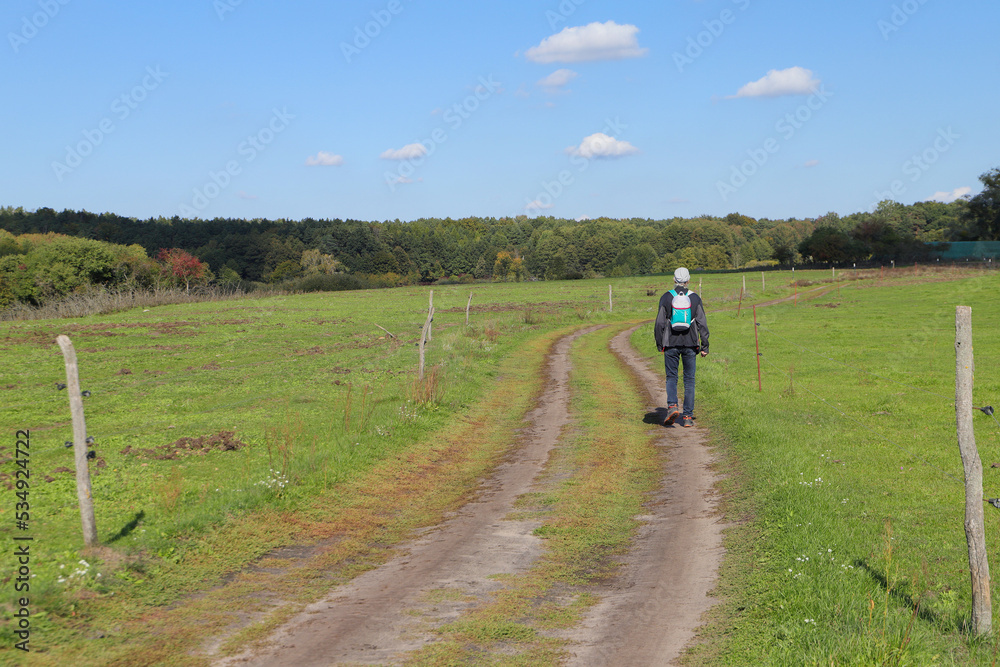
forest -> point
(46, 254)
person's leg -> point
(671, 356)
(690, 355)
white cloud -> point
(407, 152)
(811, 163)
(600, 145)
(948, 197)
(324, 159)
(537, 205)
(594, 41)
(791, 81)
(243, 195)
(558, 79)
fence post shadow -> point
(127, 529)
(899, 595)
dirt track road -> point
(646, 615)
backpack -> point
(680, 314)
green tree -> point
(556, 269)
(228, 276)
(828, 244)
(983, 211)
(8, 244)
(285, 270)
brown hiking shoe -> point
(687, 421)
(672, 414)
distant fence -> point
(976, 250)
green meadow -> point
(226, 430)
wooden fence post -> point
(424, 337)
(975, 533)
(611, 305)
(756, 342)
(740, 306)
(430, 309)
(467, 309)
(83, 493)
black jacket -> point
(666, 337)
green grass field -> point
(844, 482)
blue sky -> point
(402, 109)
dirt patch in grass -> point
(543, 306)
(223, 441)
(46, 338)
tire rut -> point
(391, 610)
(652, 609)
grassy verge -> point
(844, 477)
(594, 485)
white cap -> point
(681, 276)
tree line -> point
(46, 254)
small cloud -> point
(600, 145)
(582, 218)
(537, 205)
(243, 195)
(594, 41)
(522, 91)
(678, 200)
(558, 79)
(810, 163)
(407, 152)
(791, 81)
(948, 197)
(324, 159)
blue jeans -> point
(671, 357)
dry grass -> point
(100, 302)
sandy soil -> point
(646, 616)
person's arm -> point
(660, 326)
(701, 323)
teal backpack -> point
(680, 314)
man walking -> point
(680, 320)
